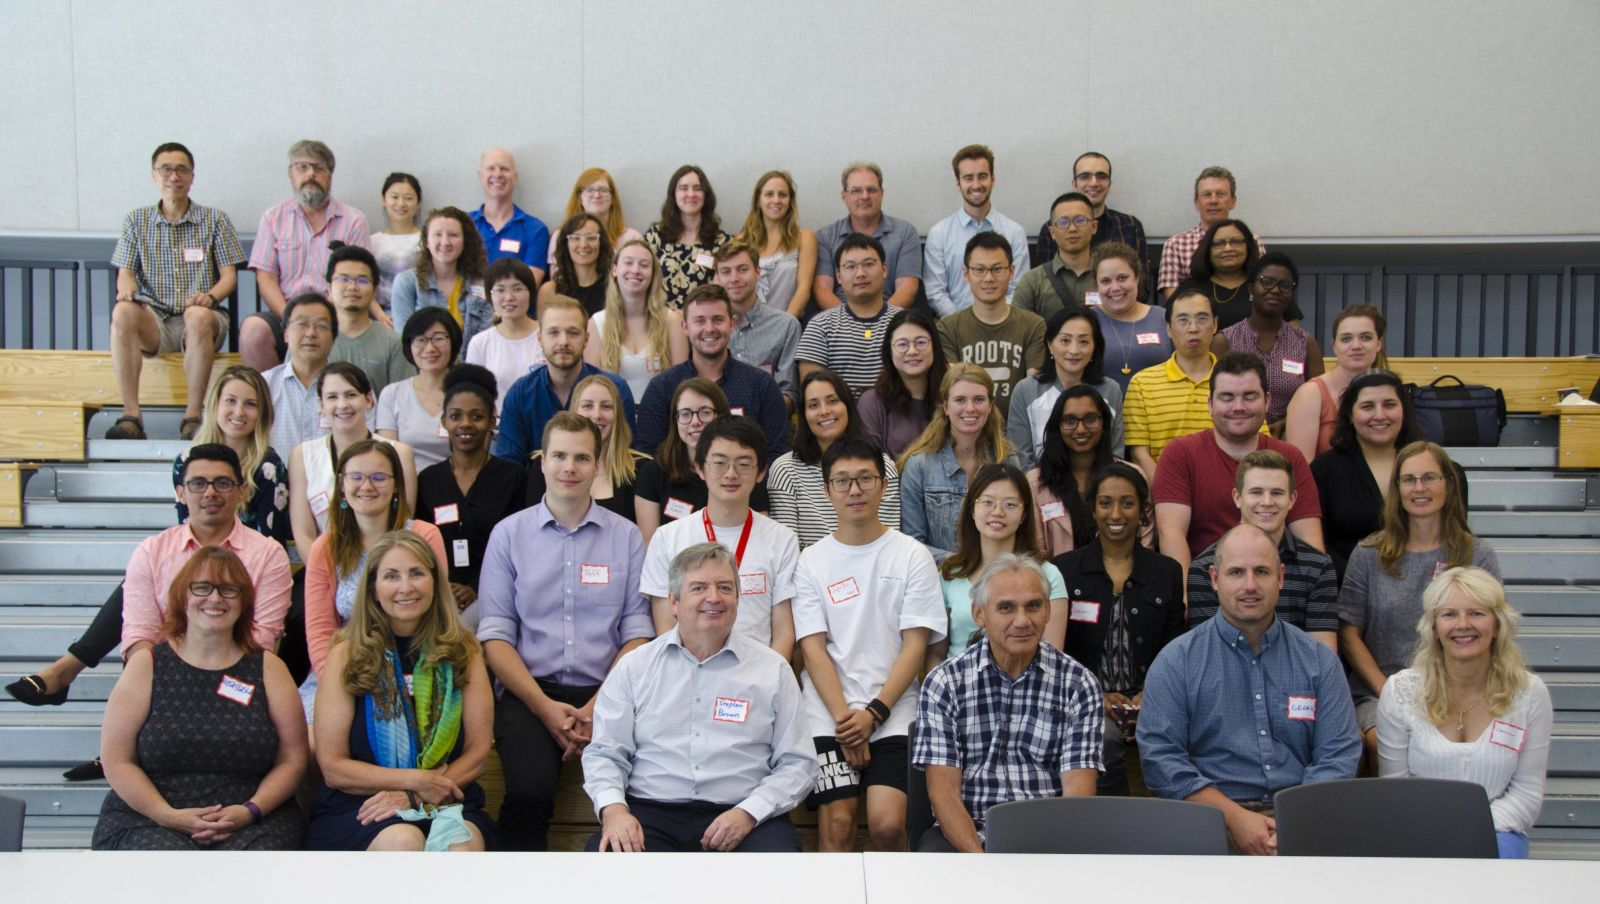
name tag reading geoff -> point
(238, 691)
(677, 508)
(1302, 709)
(594, 574)
(1084, 611)
(752, 582)
(731, 709)
(511, 246)
(1504, 734)
(843, 591)
(1053, 511)
(194, 255)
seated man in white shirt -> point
(731, 457)
(655, 784)
(866, 605)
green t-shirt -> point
(1006, 350)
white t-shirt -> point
(508, 359)
(766, 574)
(862, 597)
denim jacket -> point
(407, 297)
(932, 488)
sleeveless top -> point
(779, 276)
(637, 368)
(316, 458)
(1288, 355)
(1327, 416)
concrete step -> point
(1574, 751)
(1524, 457)
(1553, 560)
(1561, 650)
(49, 738)
(153, 516)
(1533, 524)
(56, 589)
(68, 551)
(1570, 692)
(1527, 493)
(1575, 601)
(91, 687)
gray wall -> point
(1427, 118)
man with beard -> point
(945, 267)
(535, 399)
(708, 321)
(290, 251)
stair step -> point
(132, 449)
(1574, 751)
(56, 589)
(1561, 650)
(45, 737)
(123, 483)
(68, 551)
(1533, 524)
(91, 686)
(1571, 802)
(1554, 601)
(48, 794)
(1526, 457)
(1570, 692)
(28, 637)
(56, 838)
(1564, 844)
(131, 515)
(1527, 493)
(1556, 560)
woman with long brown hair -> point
(687, 234)
(788, 251)
(581, 263)
(449, 274)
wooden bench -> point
(1529, 384)
(87, 377)
(11, 493)
(37, 430)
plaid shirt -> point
(1177, 256)
(163, 256)
(1115, 226)
(1011, 740)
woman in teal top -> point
(997, 517)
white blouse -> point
(1508, 759)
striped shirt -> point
(848, 345)
(1307, 600)
(1163, 404)
(1011, 739)
(287, 247)
(800, 502)
(173, 261)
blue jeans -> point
(1513, 845)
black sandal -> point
(85, 772)
(189, 427)
(134, 430)
(31, 691)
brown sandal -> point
(133, 430)
(189, 427)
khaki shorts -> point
(172, 332)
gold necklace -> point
(1461, 717)
(1231, 296)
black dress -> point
(654, 486)
(593, 297)
(499, 490)
(201, 748)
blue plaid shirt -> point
(1251, 723)
(1011, 740)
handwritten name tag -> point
(1504, 734)
(1294, 367)
(843, 591)
(511, 246)
(1052, 511)
(731, 709)
(1084, 611)
(594, 574)
(1302, 709)
(446, 514)
(238, 691)
(752, 583)
(1148, 338)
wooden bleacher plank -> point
(1530, 384)
(1579, 444)
(87, 377)
(42, 431)
(11, 494)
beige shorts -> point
(172, 332)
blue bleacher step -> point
(101, 552)
(1491, 524)
(1527, 493)
(49, 590)
(47, 736)
(1523, 457)
(151, 516)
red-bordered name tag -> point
(731, 709)
(843, 591)
(1302, 709)
(238, 691)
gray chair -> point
(11, 812)
(1386, 817)
(1106, 825)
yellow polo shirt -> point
(1163, 404)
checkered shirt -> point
(154, 250)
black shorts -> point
(841, 781)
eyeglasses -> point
(302, 167)
(1270, 284)
(167, 172)
(1097, 176)
(1227, 243)
(590, 238)
(921, 344)
(1071, 421)
(1068, 222)
(434, 339)
(996, 270)
(704, 415)
(378, 479)
(315, 326)
(989, 504)
(198, 485)
(596, 192)
(206, 588)
(343, 280)
(860, 190)
(867, 483)
(866, 266)
(1430, 479)
(743, 467)
(1184, 321)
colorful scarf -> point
(413, 727)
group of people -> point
(612, 502)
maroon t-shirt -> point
(1194, 471)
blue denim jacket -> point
(407, 297)
(932, 488)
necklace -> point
(1122, 346)
(1231, 295)
(1461, 717)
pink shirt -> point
(287, 247)
(158, 560)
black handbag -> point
(1461, 415)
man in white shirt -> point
(731, 458)
(945, 249)
(699, 739)
(867, 603)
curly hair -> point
(440, 635)
(566, 271)
(473, 260)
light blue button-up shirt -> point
(943, 271)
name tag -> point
(1294, 367)
(844, 591)
(1504, 734)
(677, 508)
(731, 709)
(1440, 568)
(1148, 338)
(410, 684)
(460, 556)
(594, 574)
(1084, 611)
(1092, 299)
(319, 504)
(1053, 511)
(752, 582)
(704, 259)
(240, 692)
(736, 412)
(475, 291)
(1302, 709)
(194, 255)
(511, 246)
(446, 514)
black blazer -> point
(1153, 595)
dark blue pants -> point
(679, 828)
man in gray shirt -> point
(862, 194)
(763, 336)
(362, 341)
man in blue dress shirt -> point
(1245, 705)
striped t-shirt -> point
(850, 346)
(1163, 404)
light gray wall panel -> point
(38, 152)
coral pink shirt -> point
(158, 560)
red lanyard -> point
(744, 535)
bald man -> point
(508, 230)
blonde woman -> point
(1468, 709)
(595, 192)
(636, 336)
(965, 434)
(788, 252)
